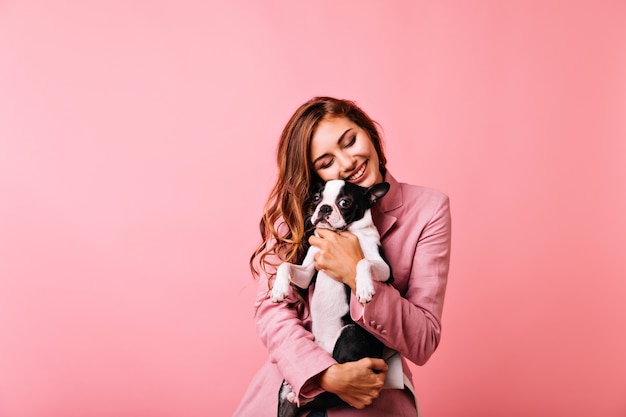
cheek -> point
(369, 150)
(326, 175)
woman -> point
(328, 139)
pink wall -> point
(136, 151)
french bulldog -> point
(338, 205)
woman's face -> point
(342, 150)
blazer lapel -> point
(380, 212)
(383, 221)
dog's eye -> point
(345, 203)
(316, 197)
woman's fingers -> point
(339, 252)
(357, 383)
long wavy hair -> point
(283, 231)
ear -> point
(377, 191)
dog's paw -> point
(287, 393)
(280, 291)
(364, 291)
(287, 405)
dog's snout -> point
(325, 209)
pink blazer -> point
(414, 223)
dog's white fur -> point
(328, 304)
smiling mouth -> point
(359, 173)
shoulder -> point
(423, 204)
(412, 192)
(412, 197)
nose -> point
(346, 162)
(325, 209)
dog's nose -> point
(326, 209)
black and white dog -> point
(338, 205)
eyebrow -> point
(338, 142)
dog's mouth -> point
(322, 223)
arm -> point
(411, 324)
(289, 342)
(307, 367)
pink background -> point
(137, 149)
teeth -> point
(358, 174)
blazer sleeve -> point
(289, 342)
(411, 324)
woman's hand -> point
(339, 253)
(357, 383)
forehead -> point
(328, 132)
(332, 189)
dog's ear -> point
(377, 191)
(309, 206)
(316, 186)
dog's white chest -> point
(328, 306)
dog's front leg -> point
(380, 270)
(300, 275)
(364, 284)
(368, 271)
(280, 289)
(372, 267)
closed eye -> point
(327, 164)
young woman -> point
(328, 139)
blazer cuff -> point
(305, 386)
(310, 389)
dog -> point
(338, 205)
